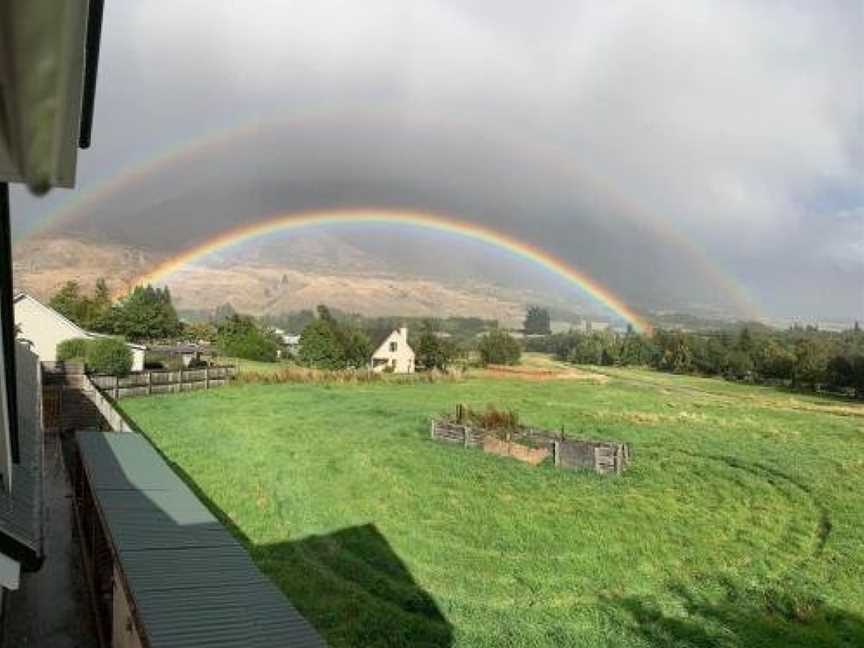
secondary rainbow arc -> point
(200, 146)
(294, 220)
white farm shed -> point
(394, 352)
(44, 328)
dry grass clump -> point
(343, 376)
(492, 418)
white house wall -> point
(402, 359)
(43, 328)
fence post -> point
(206, 377)
(180, 385)
(465, 434)
(556, 453)
(116, 388)
(432, 429)
(149, 375)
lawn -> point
(244, 365)
(741, 522)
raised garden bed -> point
(533, 446)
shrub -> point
(344, 376)
(434, 352)
(240, 337)
(72, 349)
(492, 418)
(499, 347)
(108, 356)
(328, 344)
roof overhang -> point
(47, 84)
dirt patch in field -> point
(518, 451)
(537, 374)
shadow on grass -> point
(350, 584)
(742, 619)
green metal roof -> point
(192, 582)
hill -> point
(257, 282)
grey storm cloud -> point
(595, 129)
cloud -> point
(721, 120)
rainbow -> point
(425, 220)
(196, 149)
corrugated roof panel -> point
(166, 570)
(192, 582)
(126, 462)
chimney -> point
(403, 332)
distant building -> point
(394, 352)
(291, 342)
(43, 329)
(188, 354)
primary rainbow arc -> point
(293, 220)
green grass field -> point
(741, 522)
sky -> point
(669, 149)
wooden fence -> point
(533, 446)
(164, 381)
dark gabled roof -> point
(192, 582)
(381, 338)
(21, 508)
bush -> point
(498, 347)
(108, 356)
(328, 344)
(241, 337)
(72, 349)
(344, 376)
(434, 352)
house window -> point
(393, 346)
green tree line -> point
(146, 313)
(802, 357)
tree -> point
(773, 360)
(636, 349)
(240, 337)
(810, 362)
(358, 349)
(223, 312)
(739, 364)
(327, 344)
(102, 314)
(91, 313)
(432, 351)
(857, 362)
(499, 347)
(320, 346)
(68, 301)
(588, 349)
(537, 321)
(147, 314)
(840, 372)
(745, 341)
(200, 331)
(675, 352)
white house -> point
(44, 328)
(394, 352)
